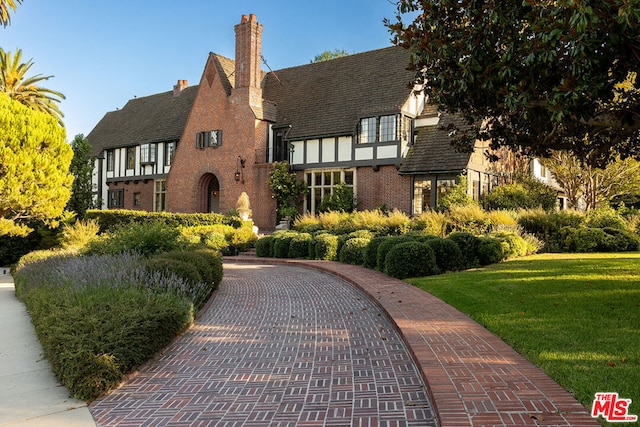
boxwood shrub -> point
(281, 242)
(489, 250)
(468, 244)
(264, 246)
(178, 267)
(410, 259)
(371, 251)
(353, 251)
(512, 244)
(326, 246)
(299, 245)
(207, 262)
(448, 254)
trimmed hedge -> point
(468, 244)
(448, 255)
(264, 246)
(489, 250)
(371, 252)
(299, 245)
(109, 219)
(410, 259)
(353, 251)
(326, 247)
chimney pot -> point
(245, 18)
(182, 85)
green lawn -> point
(576, 316)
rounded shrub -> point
(215, 241)
(584, 239)
(207, 262)
(243, 238)
(448, 254)
(371, 251)
(512, 244)
(179, 268)
(617, 240)
(353, 251)
(326, 246)
(410, 259)
(383, 249)
(281, 242)
(299, 246)
(146, 239)
(468, 244)
(489, 250)
(264, 246)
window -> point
(475, 184)
(131, 157)
(444, 187)
(321, 184)
(368, 130)
(383, 129)
(111, 160)
(421, 196)
(280, 146)
(136, 199)
(148, 154)
(211, 138)
(169, 152)
(159, 195)
(115, 198)
(387, 128)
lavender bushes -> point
(98, 317)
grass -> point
(576, 316)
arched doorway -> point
(210, 193)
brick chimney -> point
(182, 85)
(248, 52)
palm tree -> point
(4, 10)
(13, 82)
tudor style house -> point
(352, 120)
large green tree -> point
(26, 90)
(35, 183)
(592, 187)
(5, 5)
(533, 75)
(82, 168)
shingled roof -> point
(432, 152)
(154, 118)
(329, 97)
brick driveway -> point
(278, 346)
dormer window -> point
(211, 138)
(381, 128)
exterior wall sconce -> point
(239, 175)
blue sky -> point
(103, 53)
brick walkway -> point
(314, 352)
(473, 378)
(278, 346)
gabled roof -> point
(432, 152)
(154, 118)
(329, 97)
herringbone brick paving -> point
(278, 346)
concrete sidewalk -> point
(30, 395)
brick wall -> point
(146, 190)
(242, 136)
(384, 186)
